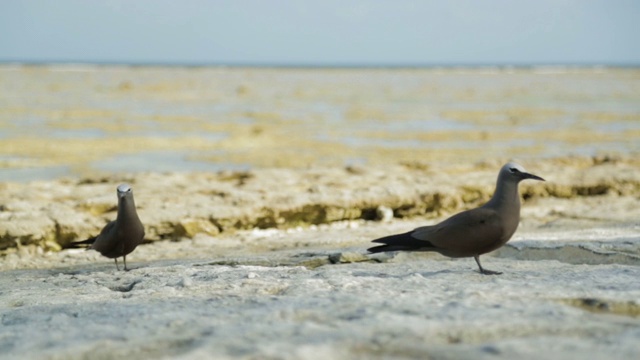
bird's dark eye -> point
(514, 170)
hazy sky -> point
(324, 32)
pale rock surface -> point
(304, 288)
(314, 293)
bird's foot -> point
(482, 270)
(489, 272)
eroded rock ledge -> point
(49, 215)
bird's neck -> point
(506, 195)
(127, 210)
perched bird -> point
(473, 232)
(121, 236)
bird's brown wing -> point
(88, 243)
(106, 241)
(468, 233)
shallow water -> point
(161, 161)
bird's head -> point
(516, 172)
(124, 190)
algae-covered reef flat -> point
(83, 120)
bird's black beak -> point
(531, 176)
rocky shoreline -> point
(269, 261)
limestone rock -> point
(174, 205)
(191, 227)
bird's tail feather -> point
(383, 248)
(401, 242)
(82, 244)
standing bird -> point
(121, 236)
(473, 232)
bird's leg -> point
(117, 267)
(124, 258)
(485, 271)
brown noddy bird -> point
(121, 236)
(473, 232)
